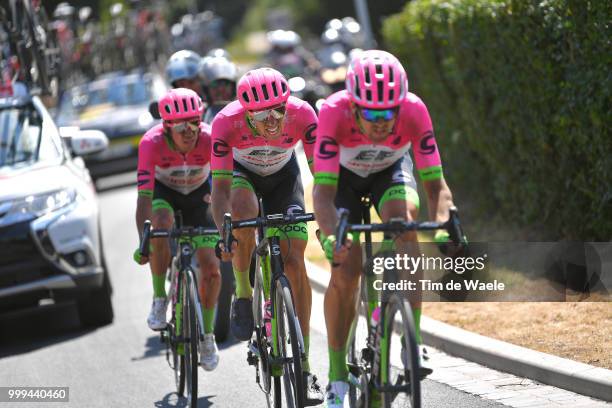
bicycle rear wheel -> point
(289, 346)
(399, 361)
(191, 343)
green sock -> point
(243, 286)
(416, 315)
(159, 285)
(338, 370)
(209, 320)
(306, 361)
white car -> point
(50, 238)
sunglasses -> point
(181, 127)
(277, 113)
(374, 115)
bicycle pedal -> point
(252, 359)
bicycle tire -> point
(287, 333)
(358, 393)
(391, 341)
(176, 329)
(224, 304)
(260, 330)
(191, 343)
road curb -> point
(570, 375)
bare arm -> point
(324, 208)
(144, 211)
(221, 195)
(439, 199)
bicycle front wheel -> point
(288, 344)
(191, 343)
(399, 361)
(359, 356)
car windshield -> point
(111, 92)
(20, 136)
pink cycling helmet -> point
(261, 88)
(376, 80)
(180, 103)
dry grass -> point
(580, 331)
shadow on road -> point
(172, 400)
(31, 330)
(153, 348)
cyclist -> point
(363, 138)
(182, 71)
(173, 168)
(220, 76)
(254, 142)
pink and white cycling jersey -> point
(340, 141)
(158, 161)
(234, 138)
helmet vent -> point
(167, 108)
(369, 95)
(265, 92)
(185, 107)
(367, 76)
(245, 96)
(284, 87)
(378, 69)
(391, 94)
(274, 90)
(381, 97)
(255, 95)
(391, 76)
(176, 107)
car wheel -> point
(96, 309)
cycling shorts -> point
(394, 182)
(194, 210)
(281, 192)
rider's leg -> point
(244, 205)
(160, 256)
(340, 311)
(209, 285)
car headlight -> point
(41, 204)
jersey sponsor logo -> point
(309, 137)
(325, 147)
(369, 155)
(268, 153)
(220, 148)
(186, 173)
(428, 144)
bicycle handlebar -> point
(274, 220)
(148, 234)
(452, 226)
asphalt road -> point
(124, 364)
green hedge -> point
(519, 92)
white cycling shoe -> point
(157, 316)
(209, 353)
(335, 393)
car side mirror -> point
(87, 142)
(154, 110)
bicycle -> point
(370, 358)
(281, 354)
(185, 330)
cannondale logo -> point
(294, 209)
